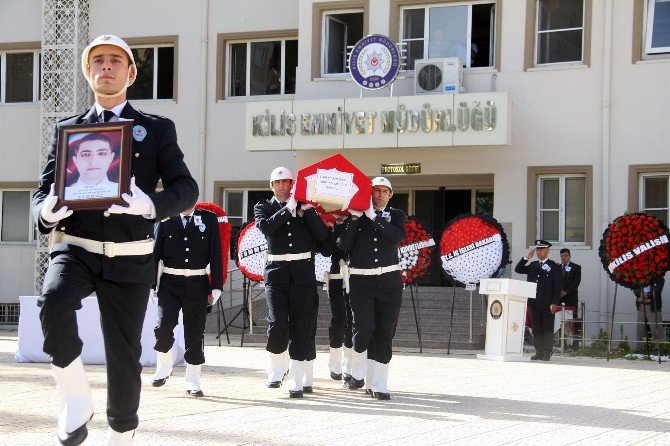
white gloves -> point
(306, 206)
(370, 212)
(47, 214)
(139, 203)
(356, 213)
(153, 294)
(216, 294)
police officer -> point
(339, 332)
(186, 243)
(547, 274)
(371, 238)
(107, 252)
(292, 230)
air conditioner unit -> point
(434, 76)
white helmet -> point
(107, 39)
(381, 181)
(281, 173)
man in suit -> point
(375, 287)
(186, 244)
(649, 305)
(107, 252)
(291, 230)
(547, 274)
(571, 277)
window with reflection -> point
(657, 39)
(155, 72)
(19, 76)
(654, 195)
(15, 216)
(559, 31)
(561, 207)
(341, 30)
(464, 30)
(261, 67)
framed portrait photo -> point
(93, 165)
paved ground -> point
(436, 400)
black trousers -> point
(174, 294)
(375, 317)
(122, 308)
(339, 332)
(292, 311)
(543, 328)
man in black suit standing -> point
(186, 244)
(547, 274)
(571, 277)
(375, 287)
(109, 253)
(292, 230)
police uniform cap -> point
(542, 244)
(281, 173)
(106, 39)
(381, 181)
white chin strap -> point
(118, 93)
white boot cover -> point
(192, 377)
(309, 374)
(296, 375)
(76, 404)
(370, 374)
(335, 360)
(380, 381)
(359, 364)
(346, 360)
(278, 366)
(163, 365)
(115, 438)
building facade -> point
(582, 84)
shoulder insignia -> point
(165, 219)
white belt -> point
(108, 249)
(185, 272)
(334, 276)
(374, 271)
(289, 257)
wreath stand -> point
(245, 311)
(414, 291)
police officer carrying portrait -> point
(186, 244)
(339, 332)
(547, 274)
(375, 287)
(292, 231)
(107, 252)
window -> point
(559, 31)
(465, 30)
(155, 72)
(654, 195)
(239, 204)
(341, 30)
(19, 76)
(561, 209)
(560, 204)
(657, 39)
(261, 67)
(15, 216)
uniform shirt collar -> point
(117, 109)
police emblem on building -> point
(374, 62)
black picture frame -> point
(93, 165)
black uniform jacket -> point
(157, 156)
(191, 247)
(548, 279)
(289, 235)
(570, 283)
(330, 249)
(373, 244)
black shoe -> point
(308, 389)
(195, 393)
(369, 392)
(76, 437)
(354, 383)
(273, 384)
(346, 377)
(295, 393)
(536, 357)
(381, 395)
(336, 376)
(159, 382)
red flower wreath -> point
(634, 249)
(414, 251)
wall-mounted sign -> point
(442, 120)
(374, 62)
(399, 169)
